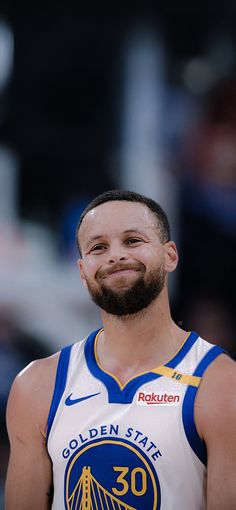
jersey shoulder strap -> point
(196, 443)
(60, 384)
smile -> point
(120, 272)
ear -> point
(81, 270)
(171, 256)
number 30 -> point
(133, 481)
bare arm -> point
(216, 418)
(29, 476)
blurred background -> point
(95, 98)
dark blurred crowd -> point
(208, 190)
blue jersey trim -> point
(60, 384)
(183, 351)
(196, 443)
(116, 395)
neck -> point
(139, 342)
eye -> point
(133, 240)
(97, 247)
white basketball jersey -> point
(134, 447)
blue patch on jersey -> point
(111, 474)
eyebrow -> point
(92, 239)
(136, 230)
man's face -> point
(123, 263)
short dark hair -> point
(129, 196)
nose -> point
(117, 253)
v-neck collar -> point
(124, 394)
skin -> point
(113, 236)
(27, 411)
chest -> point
(125, 447)
(146, 416)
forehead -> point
(117, 216)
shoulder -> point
(215, 406)
(32, 391)
(38, 375)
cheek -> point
(154, 256)
(90, 267)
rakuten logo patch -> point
(161, 399)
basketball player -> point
(139, 415)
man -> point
(140, 407)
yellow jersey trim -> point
(190, 380)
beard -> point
(129, 301)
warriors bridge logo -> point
(111, 474)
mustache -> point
(120, 267)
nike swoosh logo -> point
(70, 402)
